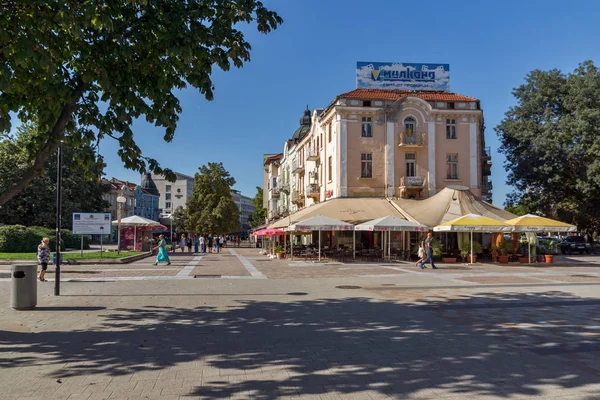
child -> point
(421, 253)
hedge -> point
(22, 239)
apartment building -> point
(173, 194)
(245, 207)
(380, 143)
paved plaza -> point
(236, 325)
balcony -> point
(486, 168)
(411, 186)
(285, 188)
(283, 210)
(313, 190)
(275, 192)
(297, 167)
(487, 154)
(297, 197)
(416, 139)
(312, 154)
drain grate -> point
(348, 287)
(208, 276)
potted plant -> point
(279, 251)
(550, 253)
(503, 257)
(476, 250)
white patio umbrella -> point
(320, 223)
(473, 223)
(135, 221)
(389, 224)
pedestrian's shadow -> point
(476, 345)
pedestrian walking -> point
(182, 242)
(202, 244)
(428, 252)
(162, 255)
(189, 243)
(196, 243)
(43, 257)
(216, 241)
(222, 242)
(210, 244)
(239, 240)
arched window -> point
(409, 124)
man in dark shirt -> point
(428, 252)
(210, 244)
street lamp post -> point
(120, 201)
(58, 219)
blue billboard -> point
(402, 76)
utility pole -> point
(58, 219)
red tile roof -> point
(381, 94)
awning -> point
(354, 210)
(450, 203)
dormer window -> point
(367, 103)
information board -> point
(402, 76)
(92, 223)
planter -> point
(448, 260)
(280, 255)
(549, 258)
(540, 259)
(525, 260)
(469, 259)
(503, 259)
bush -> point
(22, 239)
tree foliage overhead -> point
(260, 213)
(87, 69)
(36, 204)
(211, 209)
(551, 140)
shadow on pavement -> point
(479, 344)
(58, 308)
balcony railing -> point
(487, 154)
(297, 166)
(416, 139)
(312, 154)
(283, 210)
(297, 197)
(412, 182)
(313, 190)
(275, 192)
(284, 187)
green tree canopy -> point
(258, 216)
(179, 219)
(551, 140)
(36, 204)
(87, 69)
(211, 208)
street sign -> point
(91, 223)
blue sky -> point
(312, 57)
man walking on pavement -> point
(428, 252)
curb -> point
(124, 260)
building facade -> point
(116, 189)
(173, 194)
(246, 208)
(147, 199)
(380, 143)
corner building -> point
(381, 143)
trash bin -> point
(24, 287)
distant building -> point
(147, 199)
(246, 208)
(173, 194)
(116, 189)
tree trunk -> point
(49, 147)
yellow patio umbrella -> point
(535, 223)
(473, 223)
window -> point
(450, 129)
(367, 127)
(168, 205)
(409, 126)
(451, 106)
(411, 164)
(329, 129)
(452, 166)
(366, 103)
(366, 165)
(167, 196)
(168, 188)
(330, 168)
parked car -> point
(573, 244)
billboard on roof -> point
(402, 76)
